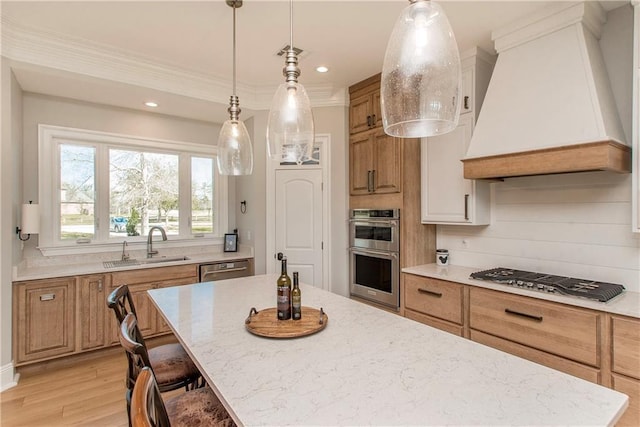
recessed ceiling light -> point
(322, 69)
(151, 104)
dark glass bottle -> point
(284, 293)
(296, 299)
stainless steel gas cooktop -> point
(599, 291)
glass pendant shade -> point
(290, 129)
(235, 153)
(421, 75)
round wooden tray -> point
(265, 323)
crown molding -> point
(81, 56)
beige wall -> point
(10, 183)
(328, 120)
(42, 109)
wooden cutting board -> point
(265, 323)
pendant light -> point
(421, 75)
(290, 130)
(235, 153)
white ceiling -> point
(195, 36)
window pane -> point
(201, 195)
(77, 192)
(143, 192)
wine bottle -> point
(284, 293)
(296, 299)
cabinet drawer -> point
(631, 388)
(547, 326)
(434, 297)
(154, 274)
(567, 366)
(626, 346)
(443, 325)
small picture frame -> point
(231, 242)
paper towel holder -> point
(29, 227)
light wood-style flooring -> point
(87, 393)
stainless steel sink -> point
(156, 260)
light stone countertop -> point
(627, 304)
(96, 267)
(367, 367)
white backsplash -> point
(33, 258)
(573, 225)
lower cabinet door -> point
(631, 388)
(44, 319)
(93, 311)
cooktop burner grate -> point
(599, 291)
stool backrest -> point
(121, 302)
(147, 406)
(133, 344)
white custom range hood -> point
(549, 106)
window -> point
(106, 188)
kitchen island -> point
(367, 367)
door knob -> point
(279, 256)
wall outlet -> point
(248, 235)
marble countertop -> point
(627, 304)
(367, 367)
(71, 269)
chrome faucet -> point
(125, 256)
(150, 251)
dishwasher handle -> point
(227, 270)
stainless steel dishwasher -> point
(222, 270)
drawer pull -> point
(428, 292)
(47, 297)
(525, 315)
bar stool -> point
(195, 407)
(172, 366)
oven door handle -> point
(388, 222)
(362, 251)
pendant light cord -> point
(234, 50)
(291, 24)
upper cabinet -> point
(447, 197)
(364, 105)
(375, 158)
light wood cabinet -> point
(43, 319)
(92, 296)
(139, 282)
(364, 105)
(376, 163)
(625, 365)
(64, 316)
(567, 332)
(375, 158)
(570, 367)
(434, 302)
(447, 197)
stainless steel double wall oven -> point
(374, 266)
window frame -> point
(49, 139)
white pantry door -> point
(299, 221)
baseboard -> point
(8, 377)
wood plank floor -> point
(89, 393)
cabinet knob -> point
(466, 102)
